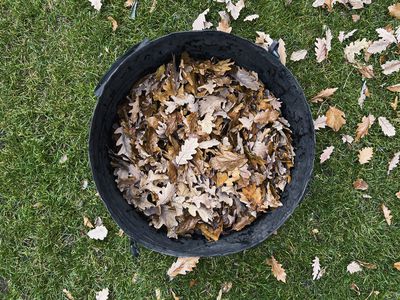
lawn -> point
(53, 53)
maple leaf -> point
(234, 9)
(251, 17)
(298, 55)
(320, 122)
(394, 88)
(353, 267)
(335, 118)
(360, 184)
(96, 4)
(387, 128)
(317, 271)
(398, 194)
(98, 233)
(393, 162)
(277, 270)
(391, 67)
(355, 18)
(123, 141)
(364, 126)
(394, 10)
(387, 214)
(188, 149)
(326, 154)
(324, 94)
(103, 294)
(365, 155)
(201, 23)
(182, 266)
(207, 123)
(224, 25)
(114, 23)
(129, 3)
(396, 265)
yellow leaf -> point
(87, 222)
(396, 265)
(335, 118)
(277, 270)
(182, 266)
(113, 23)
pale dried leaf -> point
(320, 122)
(326, 154)
(96, 4)
(227, 160)
(398, 195)
(344, 36)
(224, 23)
(201, 23)
(347, 139)
(129, 3)
(360, 184)
(394, 10)
(378, 46)
(282, 51)
(182, 266)
(68, 294)
(63, 159)
(396, 265)
(87, 223)
(251, 17)
(335, 118)
(355, 18)
(209, 144)
(387, 214)
(393, 162)
(355, 48)
(364, 126)
(114, 23)
(298, 55)
(321, 51)
(207, 124)
(324, 94)
(363, 94)
(365, 155)
(125, 143)
(247, 79)
(353, 267)
(277, 270)
(188, 149)
(103, 294)
(317, 271)
(174, 296)
(98, 233)
(394, 88)
(234, 9)
(366, 71)
(387, 128)
(391, 67)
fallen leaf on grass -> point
(234, 9)
(320, 122)
(277, 270)
(120, 233)
(87, 223)
(98, 233)
(182, 266)
(391, 67)
(129, 3)
(201, 23)
(347, 138)
(354, 267)
(396, 265)
(68, 294)
(224, 25)
(364, 126)
(360, 184)
(96, 4)
(394, 10)
(225, 288)
(158, 294)
(63, 159)
(365, 155)
(326, 154)
(386, 38)
(317, 271)
(366, 71)
(367, 265)
(114, 23)
(393, 162)
(363, 94)
(323, 46)
(298, 55)
(355, 288)
(387, 214)
(153, 6)
(398, 194)
(387, 128)
(85, 184)
(174, 296)
(394, 88)
(103, 294)
(335, 118)
(251, 17)
(324, 94)
(344, 36)
(355, 18)
(355, 48)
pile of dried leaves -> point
(202, 148)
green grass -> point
(52, 55)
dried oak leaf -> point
(298, 55)
(353, 267)
(267, 116)
(211, 234)
(319, 122)
(360, 184)
(317, 271)
(87, 223)
(224, 24)
(324, 94)
(114, 23)
(366, 71)
(96, 4)
(335, 118)
(391, 67)
(394, 88)
(344, 36)
(188, 149)
(387, 128)
(363, 94)
(394, 10)
(364, 126)
(103, 294)
(247, 79)
(326, 154)
(277, 270)
(365, 155)
(234, 9)
(98, 233)
(282, 51)
(201, 23)
(393, 162)
(323, 46)
(227, 160)
(251, 17)
(347, 139)
(387, 214)
(182, 266)
(396, 265)
(354, 48)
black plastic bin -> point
(145, 58)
